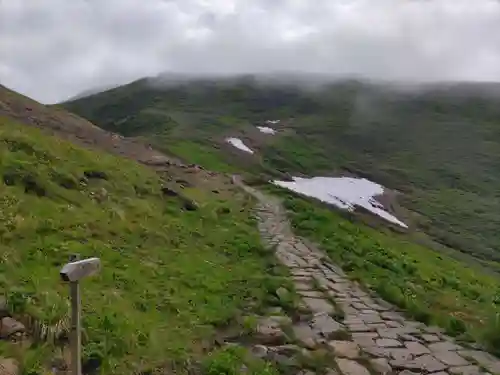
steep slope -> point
(181, 264)
(437, 145)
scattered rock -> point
(99, 175)
(190, 205)
(268, 331)
(317, 305)
(350, 367)
(166, 191)
(10, 326)
(8, 366)
(260, 351)
(347, 349)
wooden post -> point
(76, 329)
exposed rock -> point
(350, 367)
(282, 293)
(10, 326)
(347, 349)
(8, 366)
(190, 205)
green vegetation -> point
(234, 360)
(431, 287)
(171, 277)
(438, 145)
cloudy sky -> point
(53, 49)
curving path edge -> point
(377, 337)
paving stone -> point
(424, 363)
(371, 318)
(302, 285)
(325, 325)
(430, 338)
(484, 359)
(390, 315)
(381, 366)
(388, 333)
(465, 370)
(406, 372)
(359, 328)
(311, 294)
(451, 358)
(317, 305)
(416, 348)
(305, 335)
(347, 349)
(350, 367)
(364, 338)
(408, 337)
(440, 373)
(443, 346)
(388, 343)
(359, 306)
(393, 324)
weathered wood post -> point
(73, 272)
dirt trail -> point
(363, 333)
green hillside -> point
(179, 269)
(439, 145)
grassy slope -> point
(170, 277)
(440, 146)
(431, 287)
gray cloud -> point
(53, 49)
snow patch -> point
(238, 143)
(266, 130)
(344, 192)
(273, 122)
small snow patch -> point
(273, 122)
(343, 192)
(238, 143)
(266, 130)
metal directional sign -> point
(73, 272)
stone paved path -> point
(363, 333)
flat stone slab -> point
(311, 294)
(325, 325)
(484, 359)
(305, 335)
(381, 366)
(430, 338)
(388, 343)
(350, 367)
(318, 305)
(465, 370)
(443, 346)
(347, 349)
(416, 348)
(424, 363)
(451, 358)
